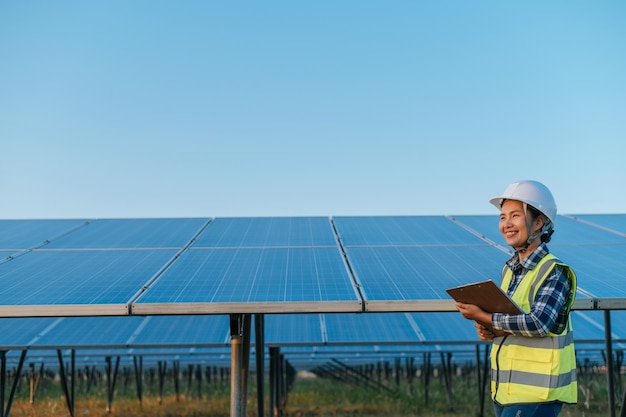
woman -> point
(532, 357)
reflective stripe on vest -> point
(534, 369)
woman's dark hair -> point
(547, 234)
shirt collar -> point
(530, 261)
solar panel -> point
(89, 332)
(486, 226)
(131, 233)
(370, 328)
(445, 327)
(599, 268)
(294, 329)
(18, 333)
(261, 280)
(26, 234)
(415, 278)
(192, 331)
(88, 282)
(615, 222)
(267, 232)
(402, 230)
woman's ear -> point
(539, 222)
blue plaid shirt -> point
(548, 312)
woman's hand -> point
(483, 332)
(473, 312)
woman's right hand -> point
(483, 332)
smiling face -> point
(513, 226)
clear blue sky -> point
(278, 108)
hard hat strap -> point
(545, 229)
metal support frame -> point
(6, 410)
(410, 373)
(623, 410)
(176, 372)
(259, 335)
(198, 376)
(69, 391)
(351, 374)
(276, 409)
(427, 368)
(111, 374)
(35, 380)
(240, 360)
(162, 367)
(189, 378)
(609, 361)
(446, 359)
(482, 378)
(138, 367)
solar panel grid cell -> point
(371, 328)
(47, 278)
(209, 330)
(267, 232)
(422, 273)
(19, 332)
(26, 234)
(257, 260)
(445, 327)
(599, 268)
(294, 329)
(131, 233)
(73, 332)
(616, 222)
(254, 275)
(401, 230)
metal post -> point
(259, 334)
(245, 361)
(609, 361)
(3, 375)
(273, 376)
(235, 365)
(138, 367)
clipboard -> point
(486, 295)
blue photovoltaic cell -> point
(293, 329)
(131, 233)
(26, 234)
(184, 331)
(401, 231)
(78, 277)
(254, 275)
(422, 273)
(445, 327)
(19, 332)
(373, 328)
(616, 222)
(484, 225)
(77, 332)
(267, 232)
(568, 231)
(599, 268)
(589, 326)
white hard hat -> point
(532, 193)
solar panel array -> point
(294, 330)
(171, 283)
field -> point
(309, 397)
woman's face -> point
(513, 224)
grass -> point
(309, 397)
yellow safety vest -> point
(534, 369)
